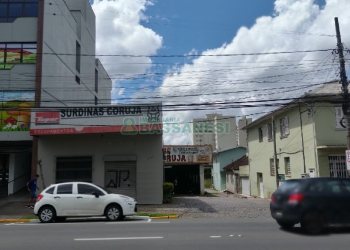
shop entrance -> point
(185, 178)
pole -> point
(275, 151)
(302, 138)
(343, 81)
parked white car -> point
(75, 199)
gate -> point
(337, 166)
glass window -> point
(3, 10)
(77, 56)
(15, 10)
(13, 53)
(2, 55)
(88, 189)
(50, 190)
(261, 135)
(29, 53)
(30, 10)
(65, 189)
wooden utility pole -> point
(343, 81)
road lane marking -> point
(215, 236)
(121, 238)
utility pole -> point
(275, 160)
(343, 81)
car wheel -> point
(114, 213)
(285, 224)
(313, 223)
(47, 214)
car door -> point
(89, 200)
(334, 194)
(64, 200)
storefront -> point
(184, 167)
(117, 147)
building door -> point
(185, 178)
(120, 177)
(260, 185)
(4, 175)
(245, 185)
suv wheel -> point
(313, 223)
(114, 213)
(47, 214)
(285, 224)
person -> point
(32, 187)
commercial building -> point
(56, 117)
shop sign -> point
(187, 154)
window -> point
(77, 79)
(50, 190)
(287, 168)
(16, 53)
(12, 9)
(284, 127)
(272, 167)
(96, 80)
(261, 135)
(88, 189)
(269, 132)
(65, 189)
(96, 100)
(77, 56)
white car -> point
(75, 199)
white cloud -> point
(119, 32)
(296, 25)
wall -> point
(146, 148)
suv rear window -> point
(290, 186)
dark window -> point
(96, 100)
(50, 190)
(88, 189)
(96, 80)
(30, 10)
(65, 189)
(12, 9)
(77, 79)
(15, 10)
(77, 56)
(261, 135)
(269, 132)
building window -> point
(337, 166)
(272, 167)
(16, 53)
(96, 80)
(77, 79)
(261, 135)
(77, 56)
(12, 9)
(284, 126)
(73, 169)
(96, 100)
(287, 167)
(269, 132)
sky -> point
(204, 56)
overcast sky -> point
(197, 51)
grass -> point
(155, 214)
(29, 217)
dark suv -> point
(315, 203)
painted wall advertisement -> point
(15, 110)
(187, 154)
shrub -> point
(168, 191)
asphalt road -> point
(205, 233)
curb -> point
(16, 220)
(165, 217)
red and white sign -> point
(47, 118)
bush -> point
(168, 191)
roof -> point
(325, 91)
(236, 164)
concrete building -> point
(310, 141)
(56, 118)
